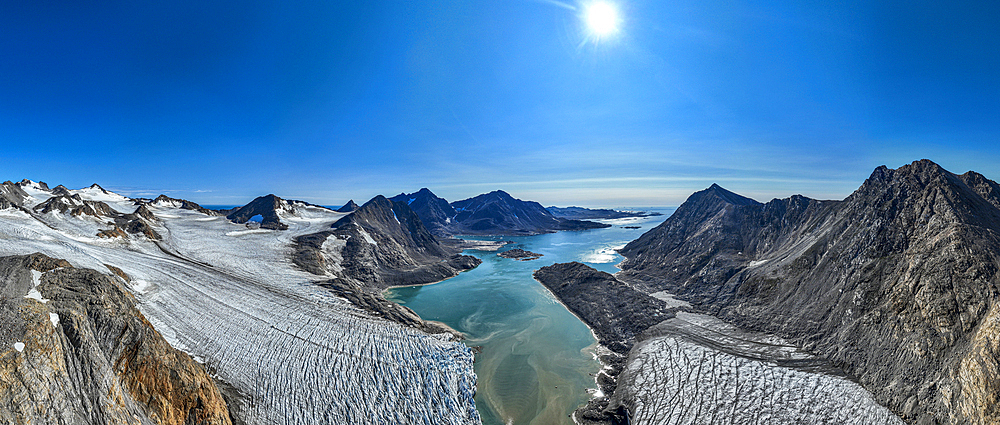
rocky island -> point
(520, 254)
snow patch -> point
(166, 204)
(368, 238)
(54, 318)
(95, 194)
(331, 249)
(140, 286)
(19, 346)
(33, 293)
(248, 232)
(756, 263)
(669, 299)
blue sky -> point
(219, 102)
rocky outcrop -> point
(494, 213)
(897, 284)
(580, 213)
(350, 206)
(75, 350)
(265, 206)
(164, 200)
(268, 208)
(74, 205)
(11, 195)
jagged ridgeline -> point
(897, 284)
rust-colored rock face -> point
(77, 351)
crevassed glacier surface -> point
(231, 299)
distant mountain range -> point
(580, 213)
(494, 213)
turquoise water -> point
(537, 362)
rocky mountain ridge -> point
(494, 213)
(897, 284)
(381, 244)
(386, 244)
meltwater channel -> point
(536, 360)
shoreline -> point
(608, 360)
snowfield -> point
(295, 353)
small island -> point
(520, 254)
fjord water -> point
(537, 360)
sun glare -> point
(602, 18)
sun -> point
(601, 18)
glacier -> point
(292, 352)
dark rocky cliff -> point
(84, 354)
(897, 284)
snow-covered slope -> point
(230, 297)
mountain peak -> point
(61, 191)
(267, 207)
(721, 193)
(350, 206)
